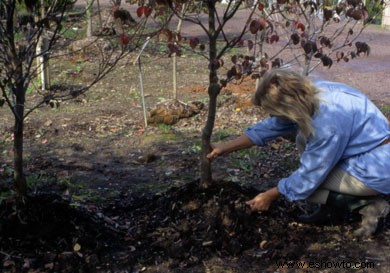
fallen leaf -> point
(77, 247)
(48, 123)
(9, 263)
(49, 265)
(26, 264)
(263, 244)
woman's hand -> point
(215, 152)
(263, 201)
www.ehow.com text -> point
(325, 264)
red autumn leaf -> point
(124, 39)
(140, 11)
(230, 74)
(274, 38)
(257, 24)
(238, 69)
(250, 45)
(254, 26)
(147, 11)
(173, 49)
(194, 43)
(261, 7)
(179, 38)
(307, 46)
(348, 13)
(301, 26)
(326, 61)
(325, 41)
(277, 62)
(357, 14)
(295, 38)
(263, 23)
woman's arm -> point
(242, 142)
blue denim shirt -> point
(348, 131)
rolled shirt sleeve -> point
(268, 129)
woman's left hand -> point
(263, 201)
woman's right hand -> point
(216, 151)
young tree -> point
(215, 32)
(22, 25)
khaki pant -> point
(342, 182)
(338, 180)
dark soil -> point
(182, 230)
(111, 195)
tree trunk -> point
(213, 90)
(386, 15)
(89, 11)
(205, 164)
(42, 46)
(19, 178)
(174, 60)
(306, 69)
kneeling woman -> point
(344, 143)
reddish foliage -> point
(143, 10)
(194, 42)
(257, 25)
(124, 39)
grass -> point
(385, 108)
(222, 134)
(162, 137)
(73, 33)
(193, 149)
(36, 181)
(247, 160)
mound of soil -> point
(189, 224)
(167, 233)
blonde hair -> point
(290, 95)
